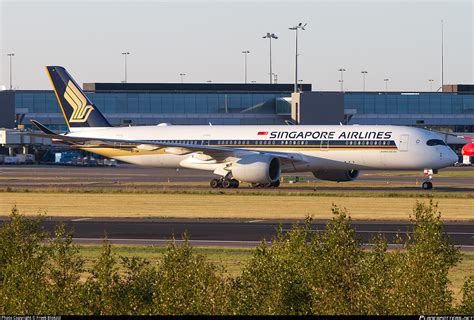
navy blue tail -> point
(78, 110)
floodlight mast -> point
(364, 73)
(11, 55)
(386, 80)
(270, 36)
(341, 81)
(125, 54)
(295, 28)
(246, 52)
(431, 84)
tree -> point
(187, 283)
(23, 266)
(420, 274)
(100, 292)
(64, 271)
(467, 303)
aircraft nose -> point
(450, 156)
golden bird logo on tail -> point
(78, 102)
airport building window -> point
(409, 103)
(437, 109)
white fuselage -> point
(319, 147)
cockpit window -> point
(435, 142)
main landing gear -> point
(233, 183)
(224, 183)
(427, 184)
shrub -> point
(23, 266)
(64, 271)
(420, 274)
(467, 304)
(300, 272)
(137, 286)
(187, 283)
(100, 293)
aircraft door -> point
(205, 139)
(403, 142)
(325, 145)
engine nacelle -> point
(257, 169)
(336, 175)
(468, 149)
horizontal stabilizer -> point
(43, 128)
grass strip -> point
(234, 206)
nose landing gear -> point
(427, 184)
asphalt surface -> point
(130, 176)
(215, 232)
(229, 233)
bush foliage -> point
(300, 272)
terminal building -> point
(244, 104)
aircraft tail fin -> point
(78, 110)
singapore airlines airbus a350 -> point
(256, 154)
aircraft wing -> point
(217, 152)
(466, 138)
(457, 136)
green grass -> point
(248, 192)
(458, 274)
(232, 258)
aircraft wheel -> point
(427, 185)
(276, 184)
(226, 183)
(234, 183)
(214, 183)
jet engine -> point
(336, 175)
(468, 149)
(257, 168)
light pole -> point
(299, 26)
(341, 70)
(386, 84)
(363, 79)
(431, 84)
(246, 52)
(11, 56)
(125, 54)
(270, 36)
(442, 55)
(182, 76)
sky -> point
(395, 40)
